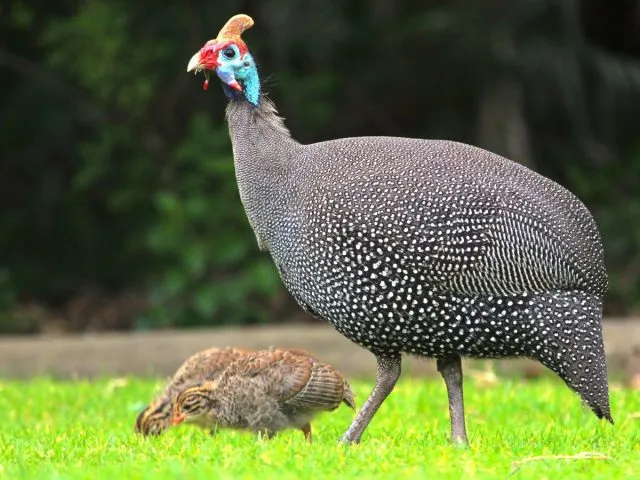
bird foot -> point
(347, 440)
(460, 442)
(306, 429)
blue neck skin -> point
(250, 88)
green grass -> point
(79, 430)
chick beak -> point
(178, 419)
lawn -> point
(85, 430)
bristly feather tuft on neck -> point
(264, 113)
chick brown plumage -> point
(203, 366)
(266, 392)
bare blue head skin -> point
(239, 68)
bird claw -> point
(460, 442)
(347, 440)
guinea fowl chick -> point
(266, 392)
(203, 366)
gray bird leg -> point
(386, 378)
(451, 370)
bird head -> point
(154, 419)
(195, 403)
(228, 56)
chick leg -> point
(306, 429)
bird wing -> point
(473, 241)
(203, 366)
(489, 248)
(291, 378)
(325, 390)
(278, 373)
(326, 387)
(497, 246)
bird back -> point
(291, 378)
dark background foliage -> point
(119, 207)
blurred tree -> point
(117, 174)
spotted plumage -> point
(426, 247)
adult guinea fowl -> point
(426, 247)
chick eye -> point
(229, 53)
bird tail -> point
(573, 347)
(348, 397)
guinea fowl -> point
(266, 392)
(200, 367)
(426, 247)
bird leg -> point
(386, 378)
(451, 370)
(265, 435)
(306, 429)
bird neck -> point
(264, 155)
(251, 91)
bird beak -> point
(178, 419)
(194, 63)
(225, 73)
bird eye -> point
(229, 53)
(188, 406)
